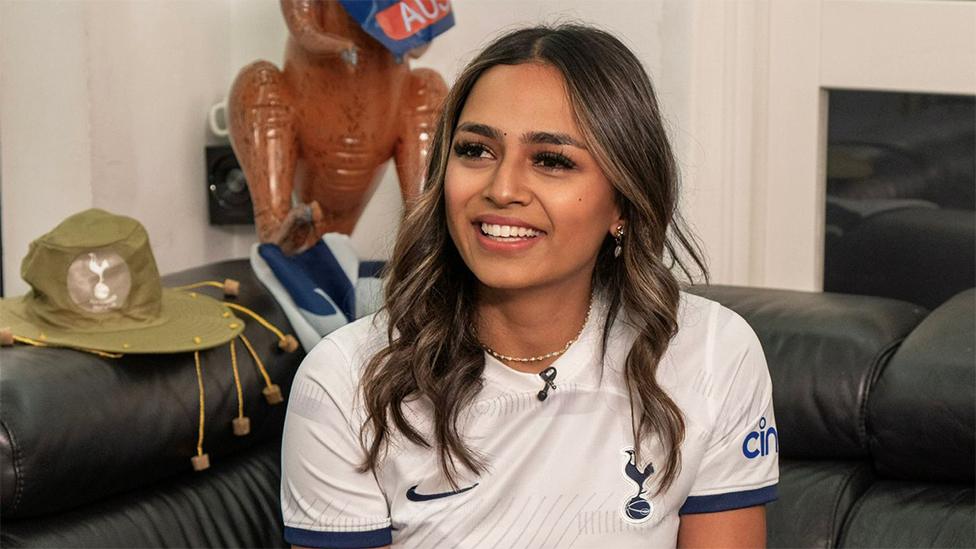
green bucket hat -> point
(95, 286)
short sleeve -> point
(740, 467)
(325, 500)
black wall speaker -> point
(228, 199)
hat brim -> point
(191, 322)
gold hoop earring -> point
(619, 237)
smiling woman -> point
(537, 376)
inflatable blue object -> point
(322, 288)
(401, 25)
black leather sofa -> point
(874, 402)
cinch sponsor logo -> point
(757, 443)
(406, 17)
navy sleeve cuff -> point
(728, 501)
(339, 540)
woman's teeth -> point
(508, 231)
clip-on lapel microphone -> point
(548, 376)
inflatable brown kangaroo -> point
(325, 125)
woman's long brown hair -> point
(434, 353)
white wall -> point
(156, 67)
(104, 104)
(45, 141)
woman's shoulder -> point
(701, 321)
(705, 320)
(713, 347)
(710, 339)
(715, 358)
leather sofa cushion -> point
(77, 427)
(824, 352)
(921, 412)
(234, 505)
(815, 498)
(907, 514)
(922, 255)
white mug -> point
(215, 127)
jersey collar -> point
(580, 364)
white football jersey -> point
(561, 471)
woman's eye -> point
(471, 150)
(553, 161)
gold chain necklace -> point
(565, 348)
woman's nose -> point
(507, 185)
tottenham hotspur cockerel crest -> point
(637, 509)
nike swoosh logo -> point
(412, 494)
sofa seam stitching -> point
(17, 462)
(840, 494)
(874, 374)
(833, 515)
(854, 510)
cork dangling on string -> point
(273, 394)
(286, 342)
(289, 344)
(241, 424)
(271, 391)
(231, 287)
(201, 461)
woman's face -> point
(527, 204)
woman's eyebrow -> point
(483, 130)
(551, 138)
(534, 138)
